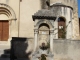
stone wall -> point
(63, 49)
(26, 23)
(66, 49)
(66, 2)
(27, 9)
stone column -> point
(68, 24)
(69, 30)
(56, 29)
(35, 39)
(51, 40)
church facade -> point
(41, 20)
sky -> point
(79, 7)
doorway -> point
(4, 30)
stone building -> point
(18, 17)
(57, 19)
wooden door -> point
(0, 30)
(4, 30)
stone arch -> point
(46, 22)
(62, 17)
(3, 17)
(8, 11)
(44, 27)
(8, 15)
(43, 32)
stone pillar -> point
(51, 40)
(56, 29)
(69, 30)
(68, 24)
(35, 39)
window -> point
(61, 28)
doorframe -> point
(10, 13)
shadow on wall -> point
(19, 48)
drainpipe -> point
(19, 19)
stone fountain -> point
(43, 33)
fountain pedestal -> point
(38, 55)
(43, 34)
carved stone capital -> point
(51, 31)
(35, 31)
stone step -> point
(4, 47)
(1, 51)
(6, 43)
(21, 59)
(4, 58)
(2, 55)
(5, 51)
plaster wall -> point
(66, 49)
(27, 9)
(13, 7)
(14, 4)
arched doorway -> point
(4, 30)
(61, 27)
(7, 15)
(4, 27)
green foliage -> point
(43, 57)
(63, 33)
